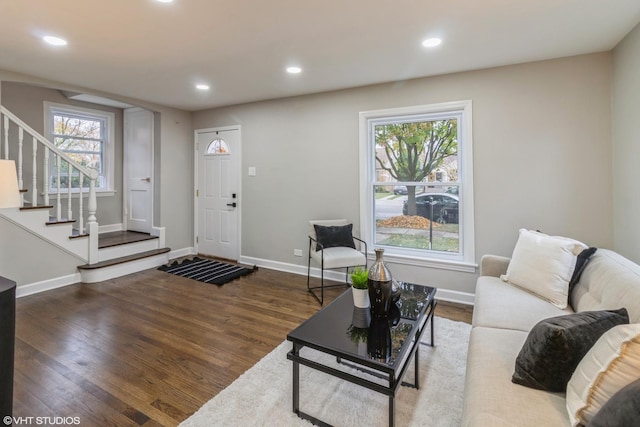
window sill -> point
(443, 264)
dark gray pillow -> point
(621, 410)
(556, 345)
(331, 236)
(581, 262)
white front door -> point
(217, 198)
(138, 154)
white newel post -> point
(20, 173)
(92, 223)
(20, 142)
(45, 176)
(6, 137)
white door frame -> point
(125, 170)
(196, 178)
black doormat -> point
(207, 271)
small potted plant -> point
(359, 286)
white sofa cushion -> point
(491, 399)
(339, 257)
(544, 265)
(502, 305)
(611, 364)
(609, 281)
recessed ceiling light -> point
(165, 1)
(202, 87)
(55, 41)
(294, 70)
(433, 42)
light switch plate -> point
(252, 171)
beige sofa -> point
(502, 318)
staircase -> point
(69, 225)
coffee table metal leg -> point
(392, 411)
(296, 381)
(416, 357)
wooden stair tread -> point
(77, 235)
(53, 220)
(29, 207)
(121, 260)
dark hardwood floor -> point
(151, 348)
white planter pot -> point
(360, 297)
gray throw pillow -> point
(555, 346)
(331, 236)
(621, 410)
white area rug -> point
(262, 396)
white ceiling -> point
(156, 52)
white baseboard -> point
(34, 288)
(109, 228)
(47, 285)
(182, 252)
(338, 275)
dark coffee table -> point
(391, 342)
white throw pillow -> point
(543, 265)
(611, 364)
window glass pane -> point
(88, 160)
(408, 215)
(218, 146)
(404, 218)
(77, 144)
(417, 151)
(82, 138)
(76, 126)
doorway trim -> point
(196, 133)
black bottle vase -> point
(380, 286)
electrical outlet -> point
(297, 252)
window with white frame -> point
(86, 136)
(416, 184)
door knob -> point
(148, 179)
(233, 205)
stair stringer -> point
(34, 222)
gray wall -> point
(27, 102)
(542, 153)
(626, 145)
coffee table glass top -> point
(348, 332)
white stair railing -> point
(10, 121)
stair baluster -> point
(34, 196)
(69, 176)
(20, 180)
(58, 188)
(80, 218)
(6, 138)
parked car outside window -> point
(399, 189)
(445, 207)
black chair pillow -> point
(331, 236)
